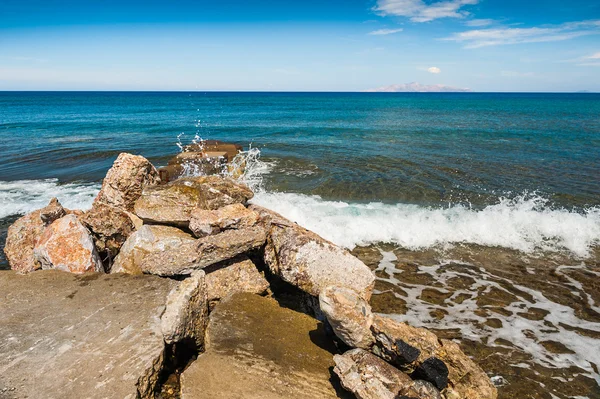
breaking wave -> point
(23, 196)
(526, 223)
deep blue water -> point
(417, 148)
(520, 171)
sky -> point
(300, 45)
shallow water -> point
(480, 213)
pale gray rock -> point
(81, 336)
(349, 315)
(174, 202)
(68, 246)
(207, 251)
(237, 275)
(308, 261)
(147, 240)
(186, 314)
(369, 377)
(205, 222)
(126, 180)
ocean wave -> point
(525, 223)
(23, 196)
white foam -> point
(523, 224)
(23, 196)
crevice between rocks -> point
(176, 358)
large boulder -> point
(68, 246)
(125, 180)
(349, 315)
(256, 349)
(369, 377)
(147, 240)
(174, 202)
(308, 261)
(24, 233)
(110, 227)
(236, 275)
(82, 336)
(418, 351)
(205, 222)
(207, 251)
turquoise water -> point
(514, 170)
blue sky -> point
(352, 45)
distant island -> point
(416, 87)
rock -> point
(369, 377)
(434, 371)
(24, 233)
(81, 336)
(465, 378)
(174, 202)
(68, 246)
(425, 390)
(350, 316)
(20, 240)
(309, 262)
(147, 240)
(203, 252)
(124, 182)
(52, 212)
(236, 275)
(256, 349)
(110, 227)
(186, 314)
(207, 222)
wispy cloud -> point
(476, 23)
(419, 11)
(586, 60)
(435, 70)
(502, 36)
(385, 31)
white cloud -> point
(415, 87)
(419, 11)
(501, 36)
(479, 22)
(385, 31)
(434, 70)
(595, 56)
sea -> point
(478, 212)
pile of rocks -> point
(202, 232)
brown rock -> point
(174, 202)
(110, 227)
(308, 261)
(186, 312)
(52, 212)
(207, 222)
(369, 377)
(24, 233)
(203, 252)
(68, 246)
(124, 182)
(465, 378)
(256, 349)
(350, 316)
(147, 240)
(236, 275)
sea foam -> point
(523, 224)
(23, 196)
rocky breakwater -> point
(188, 279)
